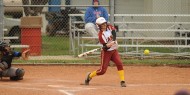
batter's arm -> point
(105, 46)
(114, 35)
(108, 45)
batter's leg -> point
(105, 59)
(117, 60)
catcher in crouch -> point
(107, 37)
(7, 55)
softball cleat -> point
(123, 84)
(87, 80)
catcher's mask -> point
(3, 45)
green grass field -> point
(59, 45)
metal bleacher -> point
(129, 37)
(7, 39)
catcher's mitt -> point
(25, 54)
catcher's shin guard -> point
(3, 65)
(19, 74)
(1, 74)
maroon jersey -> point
(107, 37)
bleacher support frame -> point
(79, 41)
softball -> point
(146, 52)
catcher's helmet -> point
(3, 45)
(100, 20)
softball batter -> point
(107, 37)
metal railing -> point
(82, 44)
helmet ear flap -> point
(97, 26)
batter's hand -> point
(111, 43)
(25, 54)
(115, 46)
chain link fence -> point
(158, 25)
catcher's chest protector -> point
(7, 57)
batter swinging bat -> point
(88, 52)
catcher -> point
(107, 37)
(7, 55)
